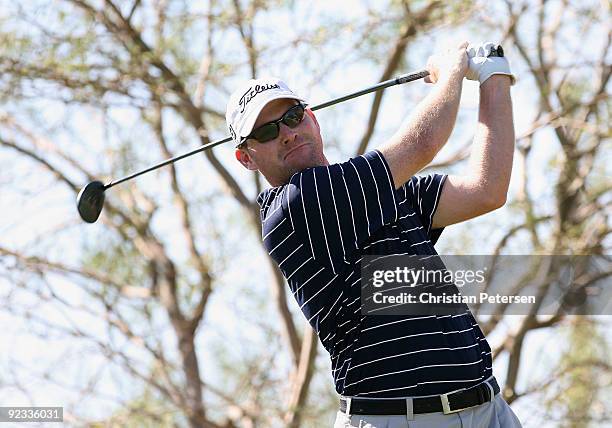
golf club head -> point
(90, 201)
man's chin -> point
(304, 163)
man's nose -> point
(286, 134)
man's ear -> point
(243, 156)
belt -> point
(447, 403)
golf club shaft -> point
(404, 78)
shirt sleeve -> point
(423, 193)
(335, 208)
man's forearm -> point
(490, 163)
(425, 131)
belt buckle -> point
(446, 405)
(348, 401)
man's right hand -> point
(452, 63)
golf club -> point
(90, 199)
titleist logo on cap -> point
(251, 92)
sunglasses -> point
(269, 131)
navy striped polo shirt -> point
(318, 227)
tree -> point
(97, 89)
(150, 78)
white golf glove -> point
(481, 66)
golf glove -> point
(481, 66)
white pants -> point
(495, 414)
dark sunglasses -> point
(269, 131)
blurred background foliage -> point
(168, 312)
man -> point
(319, 220)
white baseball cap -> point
(249, 99)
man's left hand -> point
(481, 66)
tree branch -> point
(409, 30)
